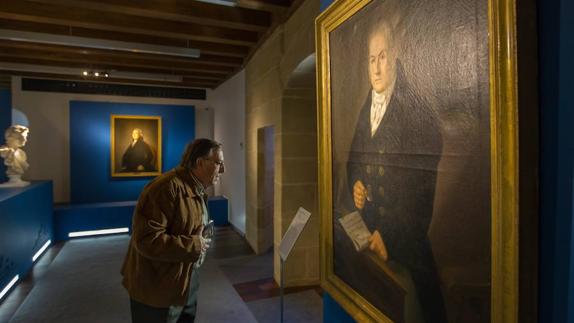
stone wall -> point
(271, 98)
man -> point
(392, 171)
(167, 245)
(139, 156)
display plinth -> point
(26, 214)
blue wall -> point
(26, 215)
(5, 109)
(556, 48)
(325, 4)
(90, 174)
(333, 312)
(5, 122)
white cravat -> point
(379, 104)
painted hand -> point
(359, 195)
(378, 245)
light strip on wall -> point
(97, 232)
(33, 37)
(10, 284)
(228, 3)
(39, 253)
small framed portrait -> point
(135, 145)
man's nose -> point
(378, 67)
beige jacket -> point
(165, 239)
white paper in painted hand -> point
(356, 229)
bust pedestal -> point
(14, 181)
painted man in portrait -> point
(139, 156)
(392, 169)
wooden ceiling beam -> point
(121, 22)
(111, 67)
(204, 47)
(125, 62)
(182, 11)
(111, 54)
(276, 7)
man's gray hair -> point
(385, 27)
(199, 148)
(140, 132)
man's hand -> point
(205, 243)
(140, 168)
(359, 195)
(378, 245)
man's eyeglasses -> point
(216, 162)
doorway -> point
(265, 186)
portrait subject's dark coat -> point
(398, 166)
(139, 154)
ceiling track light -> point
(95, 74)
(77, 71)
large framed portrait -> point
(418, 159)
(135, 145)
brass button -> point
(369, 193)
(381, 171)
(381, 191)
(369, 169)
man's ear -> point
(198, 162)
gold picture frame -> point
(343, 22)
(135, 146)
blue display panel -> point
(90, 167)
(5, 122)
(112, 215)
(218, 210)
(92, 216)
(26, 215)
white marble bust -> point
(15, 158)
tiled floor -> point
(10, 304)
(79, 281)
(267, 288)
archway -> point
(296, 177)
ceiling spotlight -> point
(106, 75)
(85, 73)
(96, 74)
